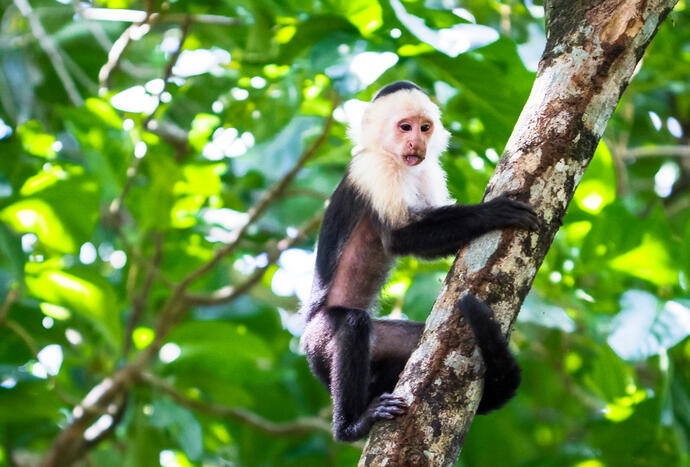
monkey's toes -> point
(389, 406)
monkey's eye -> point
(426, 127)
(405, 126)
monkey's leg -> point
(394, 341)
(353, 412)
(502, 375)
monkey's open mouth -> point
(413, 159)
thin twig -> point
(51, 49)
(169, 67)
(140, 300)
(117, 203)
(656, 151)
(301, 426)
(231, 292)
(81, 76)
(12, 296)
(136, 16)
(24, 335)
(119, 46)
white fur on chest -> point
(395, 190)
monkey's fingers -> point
(393, 401)
(530, 221)
(517, 213)
(388, 412)
(389, 406)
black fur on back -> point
(345, 209)
(395, 87)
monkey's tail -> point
(502, 376)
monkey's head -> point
(402, 123)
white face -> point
(404, 126)
(408, 139)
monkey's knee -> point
(354, 320)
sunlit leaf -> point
(537, 310)
(142, 337)
(36, 141)
(598, 186)
(61, 208)
(647, 326)
(104, 111)
(40, 218)
(364, 14)
(91, 297)
(203, 126)
(650, 261)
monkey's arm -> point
(443, 231)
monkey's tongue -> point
(412, 160)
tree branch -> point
(656, 151)
(301, 426)
(120, 45)
(592, 49)
(136, 16)
(231, 292)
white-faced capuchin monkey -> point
(393, 201)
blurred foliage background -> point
(161, 165)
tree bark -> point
(592, 49)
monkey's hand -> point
(507, 212)
(386, 406)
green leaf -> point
(152, 204)
(86, 294)
(28, 401)
(40, 218)
(11, 250)
(60, 207)
(607, 375)
(366, 15)
(651, 261)
(220, 350)
(203, 126)
(35, 141)
(598, 185)
(421, 295)
(181, 424)
(104, 111)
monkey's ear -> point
(439, 140)
(354, 113)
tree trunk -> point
(592, 49)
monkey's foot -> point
(387, 406)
